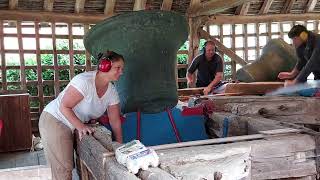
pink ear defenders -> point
(105, 62)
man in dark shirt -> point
(308, 50)
(209, 66)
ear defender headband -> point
(105, 63)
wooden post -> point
(55, 61)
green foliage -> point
(13, 75)
(182, 58)
(185, 46)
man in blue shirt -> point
(209, 66)
(308, 50)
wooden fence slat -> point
(233, 63)
(88, 56)
(16, 51)
(257, 41)
(71, 61)
(39, 68)
(3, 60)
(55, 61)
(21, 55)
(58, 36)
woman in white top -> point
(87, 96)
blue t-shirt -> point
(206, 69)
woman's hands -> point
(84, 130)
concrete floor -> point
(24, 165)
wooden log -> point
(255, 88)
(226, 125)
(203, 161)
(91, 151)
(267, 106)
(155, 174)
(268, 160)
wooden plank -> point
(109, 7)
(39, 67)
(221, 19)
(3, 60)
(214, 6)
(182, 66)
(71, 53)
(166, 5)
(190, 91)
(79, 6)
(287, 6)
(310, 6)
(227, 51)
(265, 6)
(21, 56)
(243, 9)
(255, 88)
(13, 4)
(139, 5)
(55, 61)
(48, 5)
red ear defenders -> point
(105, 63)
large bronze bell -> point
(149, 41)
(277, 56)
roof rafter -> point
(243, 9)
(287, 6)
(311, 5)
(214, 6)
(109, 7)
(13, 4)
(79, 6)
(139, 5)
(265, 6)
(166, 5)
(48, 5)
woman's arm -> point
(114, 120)
(70, 99)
